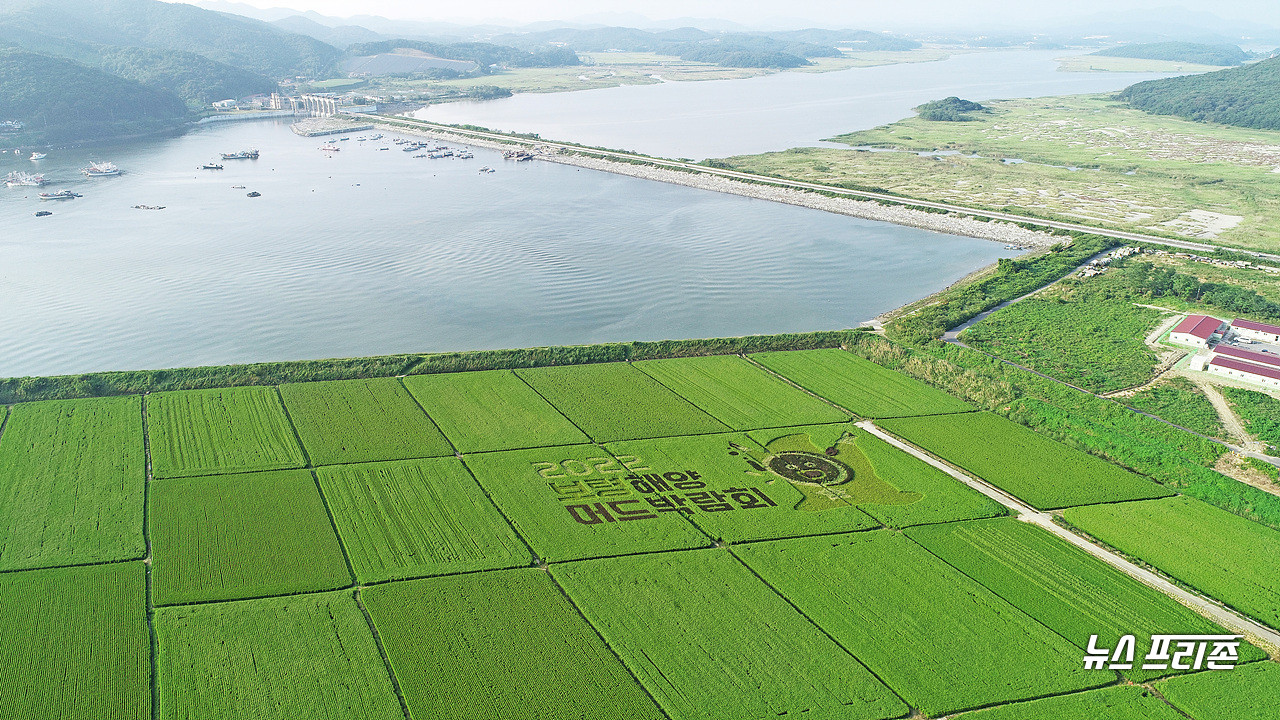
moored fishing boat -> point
(59, 195)
(101, 169)
(21, 179)
(242, 155)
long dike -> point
(926, 214)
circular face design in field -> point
(810, 468)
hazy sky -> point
(855, 13)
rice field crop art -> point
(307, 657)
(859, 385)
(709, 640)
(227, 430)
(740, 393)
(503, 644)
(1040, 471)
(414, 518)
(74, 643)
(941, 497)
(1122, 702)
(1069, 591)
(361, 420)
(1251, 692)
(937, 638)
(736, 490)
(492, 410)
(1224, 556)
(233, 537)
(576, 502)
(615, 401)
(72, 481)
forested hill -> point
(1247, 96)
(229, 39)
(1197, 53)
(120, 106)
(482, 54)
(779, 49)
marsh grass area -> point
(609, 69)
(1082, 158)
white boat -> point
(101, 169)
(21, 179)
(242, 155)
(59, 195)
(39, 155)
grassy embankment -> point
(1140, 172)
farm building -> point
(1250, 356)
(1196, 331)
(1251, 330)
(1265, 375)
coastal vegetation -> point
(1182, 403)
(1076, 332)
(1259, 412)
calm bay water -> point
(774, 112)
(367, 252)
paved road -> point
(860, 194)
(1227, 618)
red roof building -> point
(1260, 327)
(1196, 330)
(1259, 358)
(1256, 330)
(1201, 326)
(1231, 367)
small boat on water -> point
(39, 155)
(486, 169)
(237, 187)
(465, 155)
(330, 148)
(101, 169)
(44, 213)
(148, 207)
(59, 195)
(21, 179)
(210, 166)
(242, 155)
(255, 193)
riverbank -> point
(949, 223)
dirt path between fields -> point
(1254, 632)
(1234, 426)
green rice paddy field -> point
(697, 538)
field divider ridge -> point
(434, 424)
(534, 559)
(829, 636)
(4, 419)
(1204, 605)
(852, 415)
(315, 479)
(692, 404)
(604, 640)
(146, 539)
(382, 650)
